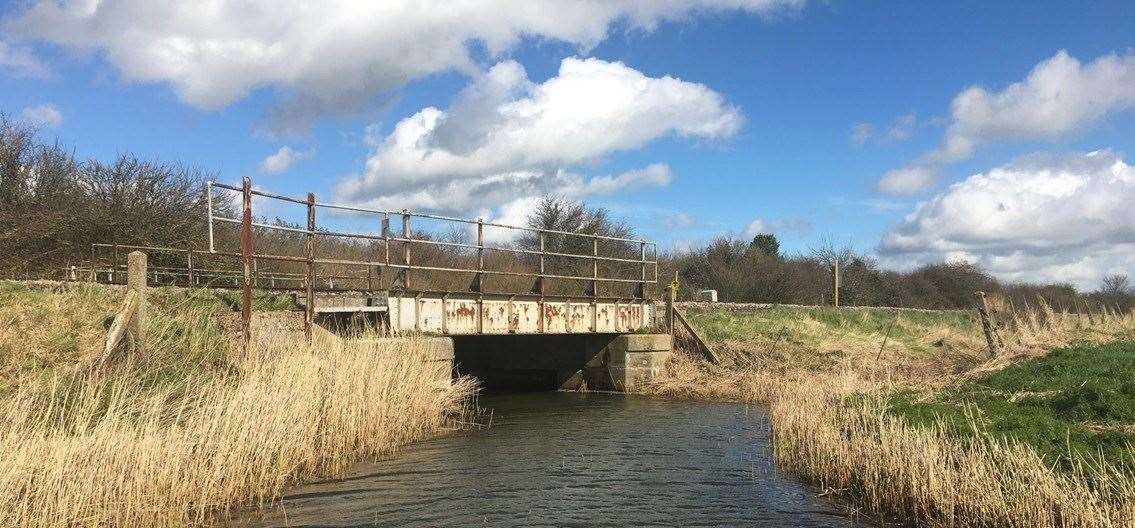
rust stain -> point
(464, 311)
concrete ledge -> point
(643, 342)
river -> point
(572, 459)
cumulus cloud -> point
(910, 179)
(1040, 218)
(19, 62)
(282, 159)
(45, 115)
(798, 225)
(505, 137)
(1059, 97)
(329, 57)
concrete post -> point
(136, 280)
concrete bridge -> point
(564, 309)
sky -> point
(998, 133)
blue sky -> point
(788, 116)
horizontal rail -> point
(429, 216)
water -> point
(567, 459)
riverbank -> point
(192, 426)
(906, 414)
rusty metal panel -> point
(429, 315)
(555, 321)
(605, 318)
(579, 317)
(461, 316)
(527, 315)
(496, 317)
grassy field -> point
(1076, 402)
(906, 414)
(193, 425)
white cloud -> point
(861, 133)
(910, 179)
(1059, 97)
(21, 63)
(798, 225)
(505, 137)
(900, 129)
(678, 221)
(1041, 218)
(282, 159)
(45, 115)
(331, 57)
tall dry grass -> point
(929, 476)
(103, 449)
(830, 426)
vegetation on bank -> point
(928, 428)
(1073, 403)
(193, 426)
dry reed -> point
(103, 450)
(932, 478)
(925, 476)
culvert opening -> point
(527, 363)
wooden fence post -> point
(986, 324)
(136, 281)
(246, 258)
(835, 291)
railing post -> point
(309, 306)
(477, 285)
(406, 249)
(246, 258)
(540, 287)
(540, 279)
(386, 244)
(594, 268)
(642, 270)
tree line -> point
(54, 205)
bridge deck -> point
(470, 313)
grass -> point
(905, 413)
(1076, 402)
(193, 426)
(818, 338)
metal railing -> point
(402, 262)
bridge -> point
(487, 287)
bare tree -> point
(1115, 285)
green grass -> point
(1079, 399)
(48, 329)
(812, 327)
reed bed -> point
(830, 422)
(931, 477)
(104, 449)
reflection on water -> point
(566, 459)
